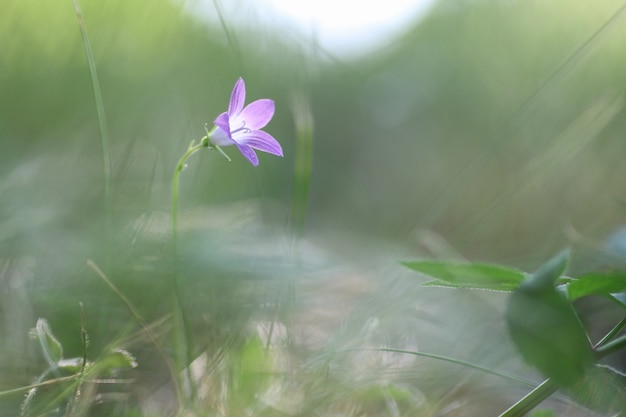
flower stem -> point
(182, 335)
(180, 166)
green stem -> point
(182, 337)
(441, 358)
(611, 347)
(180, 166)
(532, 399)
(45, 383)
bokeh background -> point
(484, 130)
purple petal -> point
(248, 152)
(221, 138)
(258, 113)
(223, 122)
(262, 141)
(237, 98)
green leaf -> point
(601, 389)
(252, 373)
(548, 274)
(50, 346)
(545, 328)
(70, 366)
(597, 283)
(468, 275)
(116, 359)
(619, 298)
(544, 412)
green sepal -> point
(219, 149)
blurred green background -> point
(497, 126)
(487, 120)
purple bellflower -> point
(241, 126)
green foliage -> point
(468, 275)
(50, 346)
(416, 134)
(545, 328)
(601, 389)
(252, 373)
(59, 386)
(116, 359)
(597, 283)
(542, 413)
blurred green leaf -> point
(602, 389)
(253, 370)
(116, 359)
(468, 275)
(545, 327)
(543, 413)
(597, 283)
(619, 298)
(70, 366)
(50, 346)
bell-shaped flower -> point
(241, 126)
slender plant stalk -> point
(78, 389)
(180, 166)
(611, 347)
(303, 166)
(183, 336)
(532, 399)
(102, 122)
(443, 359)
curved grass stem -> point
(102, 125)
(182, 327)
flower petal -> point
(237, 98)
(261, 141)
(222, 136)
(258, 113)
(249, 153)
(223, 122)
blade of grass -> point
(230, 37)
(144, 326)
(102, 123)
(303, 166)
(443, 359)
(38, 385)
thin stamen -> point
(243, 128)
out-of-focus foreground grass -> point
(492, 130)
